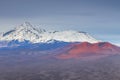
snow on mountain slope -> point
(34, 34)
(23, 32)
(73, 36)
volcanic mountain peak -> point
(26, 26)
(26, 31)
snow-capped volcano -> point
(27, 31)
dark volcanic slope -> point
(86, 49)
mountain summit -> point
(28, 27)
(26, 31)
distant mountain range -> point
(33, 34)
(61, 44)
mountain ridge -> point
(26, 31)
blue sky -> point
(100, 18)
